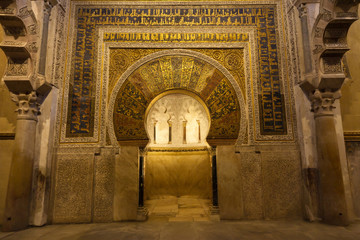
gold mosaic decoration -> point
(121, 59)
(263, 18)
(231, 59)
(168, 73)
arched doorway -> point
(153, 76)
(177, 167)
(176, 70)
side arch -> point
(20, 47)
(169, 70)
(330, 42)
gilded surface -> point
(232, 60)
(121, 59)
(176, 37)
(174, 72)
(262, 17)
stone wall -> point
(177, 174)
(350, 99)
(90, 179)
(262, 182)
(99, 185)
(254, 183)
(83, 185)
(126, 191)
(350, 113)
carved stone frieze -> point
(17, 67)
(7, 11)
(346, 14)
(28, 106)
(58, 52)
(332, 65)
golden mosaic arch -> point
(176, 72)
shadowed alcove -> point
(177, 160)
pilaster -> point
(333, 202)
(17, 208)
(25, 79)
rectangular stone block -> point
(252, 184)
(178, 174)
(126, 194)
(73, 188)
(229, 183)
(281, 178)
(104, 186)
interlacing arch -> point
(21, 45)
(329, 42)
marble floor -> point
(187, 218)
(164, 230)
(179, 209)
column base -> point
(142, 214)
(214, 213)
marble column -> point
(303, 11)
(44, 39)
(142, 212)
(333, 204)
(17, 208)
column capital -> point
(48, 5)
(303, 2)
(303, 10)
(47, 8)
(212, 150)
(322, 102)
(28, 105)
(142, 151)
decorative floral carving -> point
(217, 55)
(234, 61)
(303, 10)
(33, 47)
(32, 29)
(23, 12)
(319, 32)
(318, 49)
(326, 15)
(332, 65)
(323, 102)
(28, 106)
(17, 67)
